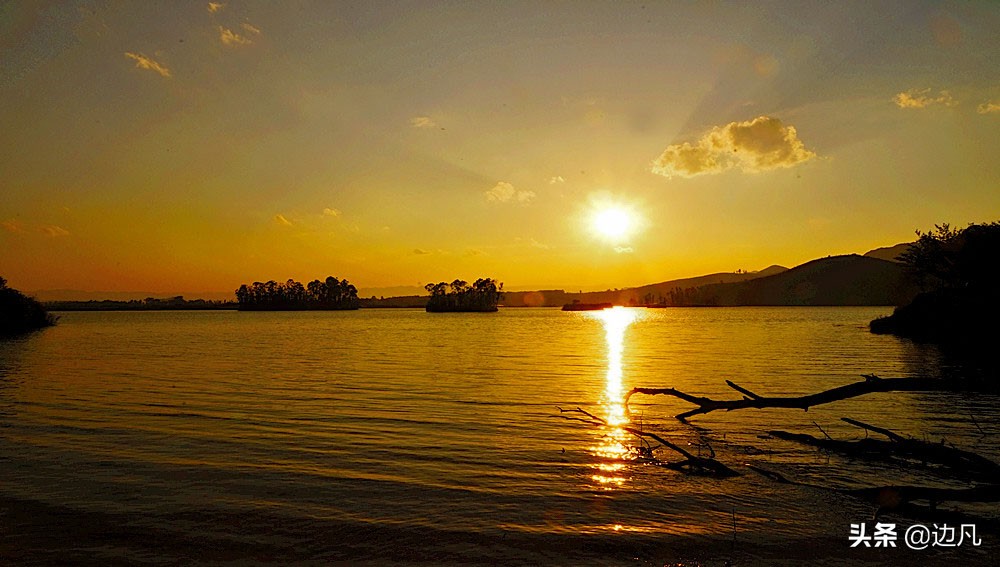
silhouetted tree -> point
(960, 269)
(20, 313)
(483, 295)
(331, 293)
(949, 258)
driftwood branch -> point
(870, 385)
(867, 427)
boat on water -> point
(577, 306)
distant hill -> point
(890, 253)
(836, 280)
(651, 293)
(81, 295)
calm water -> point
(400, 436)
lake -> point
(398, 436)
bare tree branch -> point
(871, 384)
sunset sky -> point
(196, 146)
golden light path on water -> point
(614, 448)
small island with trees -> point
(482, 296)
(331, 294)
(19, 313)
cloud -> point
(556, 179)
(988, 107)
(12, 225)
(250, 28)
(504, 192)
(280, 219)
(420, 251)
(328, 212)
(53, 230)
(231, 38)
(624, 249)
(917, 98)
(143, 62)
(17, 227)
(214, 7)
(761, 144)
(422, 122)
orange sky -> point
(161, 147)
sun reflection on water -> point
(613, 448)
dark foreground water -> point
(379, 436)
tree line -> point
(331, 294)
(482, 296)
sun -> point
(614, 223)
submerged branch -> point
(902, 450)
(900, 498)
(691, 464)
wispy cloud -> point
(53, 231)
(280, 219)
(17, 227)
(919, 98)
(420, 251)
(988, 107)
(504, 192)
(250, 28)
(12, 225)
(328, 212)
(214, 7)
(624, 249)
(422, 122)
(556, 179)
(761, 144)
(231, 38)
(143, 62)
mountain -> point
(651, 293)
(835, 280)
(890, 253)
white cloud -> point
(231, 38)
(143, 62)
(214, 7)
(988, 107)
(422, 122)
(624, 249)
(504, 192)
(556, 179)
(328, 212)
(918, 98)
(761, 144)
(280, 219)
